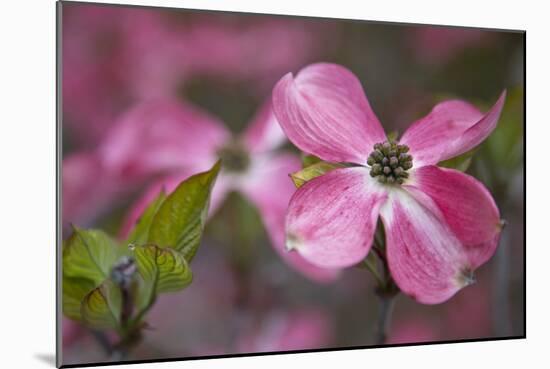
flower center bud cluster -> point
(389, 162)
(235, 157)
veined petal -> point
(264, 133)
(464, 203)
(426, 260)
(324, 112)
(270, 189)
(331, 219)
(452, 128)
(162, 135)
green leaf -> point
(89, 254)
(308, 160)
(461, 162)
(140, 232)
(504, 147)
(101, 308)
(166, 268)
(144, 293)
(74, 290)
(180, 220)
(312, 171)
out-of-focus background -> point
(245, 296)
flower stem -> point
(386, 289)
(371, 266)
(385, 310)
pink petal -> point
(276, 230)
(331, 219)
(324, 112)
(425, 258)
(162, 135)
(452, 128)
(264, 133)
(466, 206)
(270, 189)
(169, 184)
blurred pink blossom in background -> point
(467, 317)
(87, 188)
(113, 57)
(475, 304)
(71, 332)
(288, 330)
(203, 311)
(94, 86)
(412, 330)
(177, 140)
(209, 314)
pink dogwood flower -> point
(440, 224)
(174, 140)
